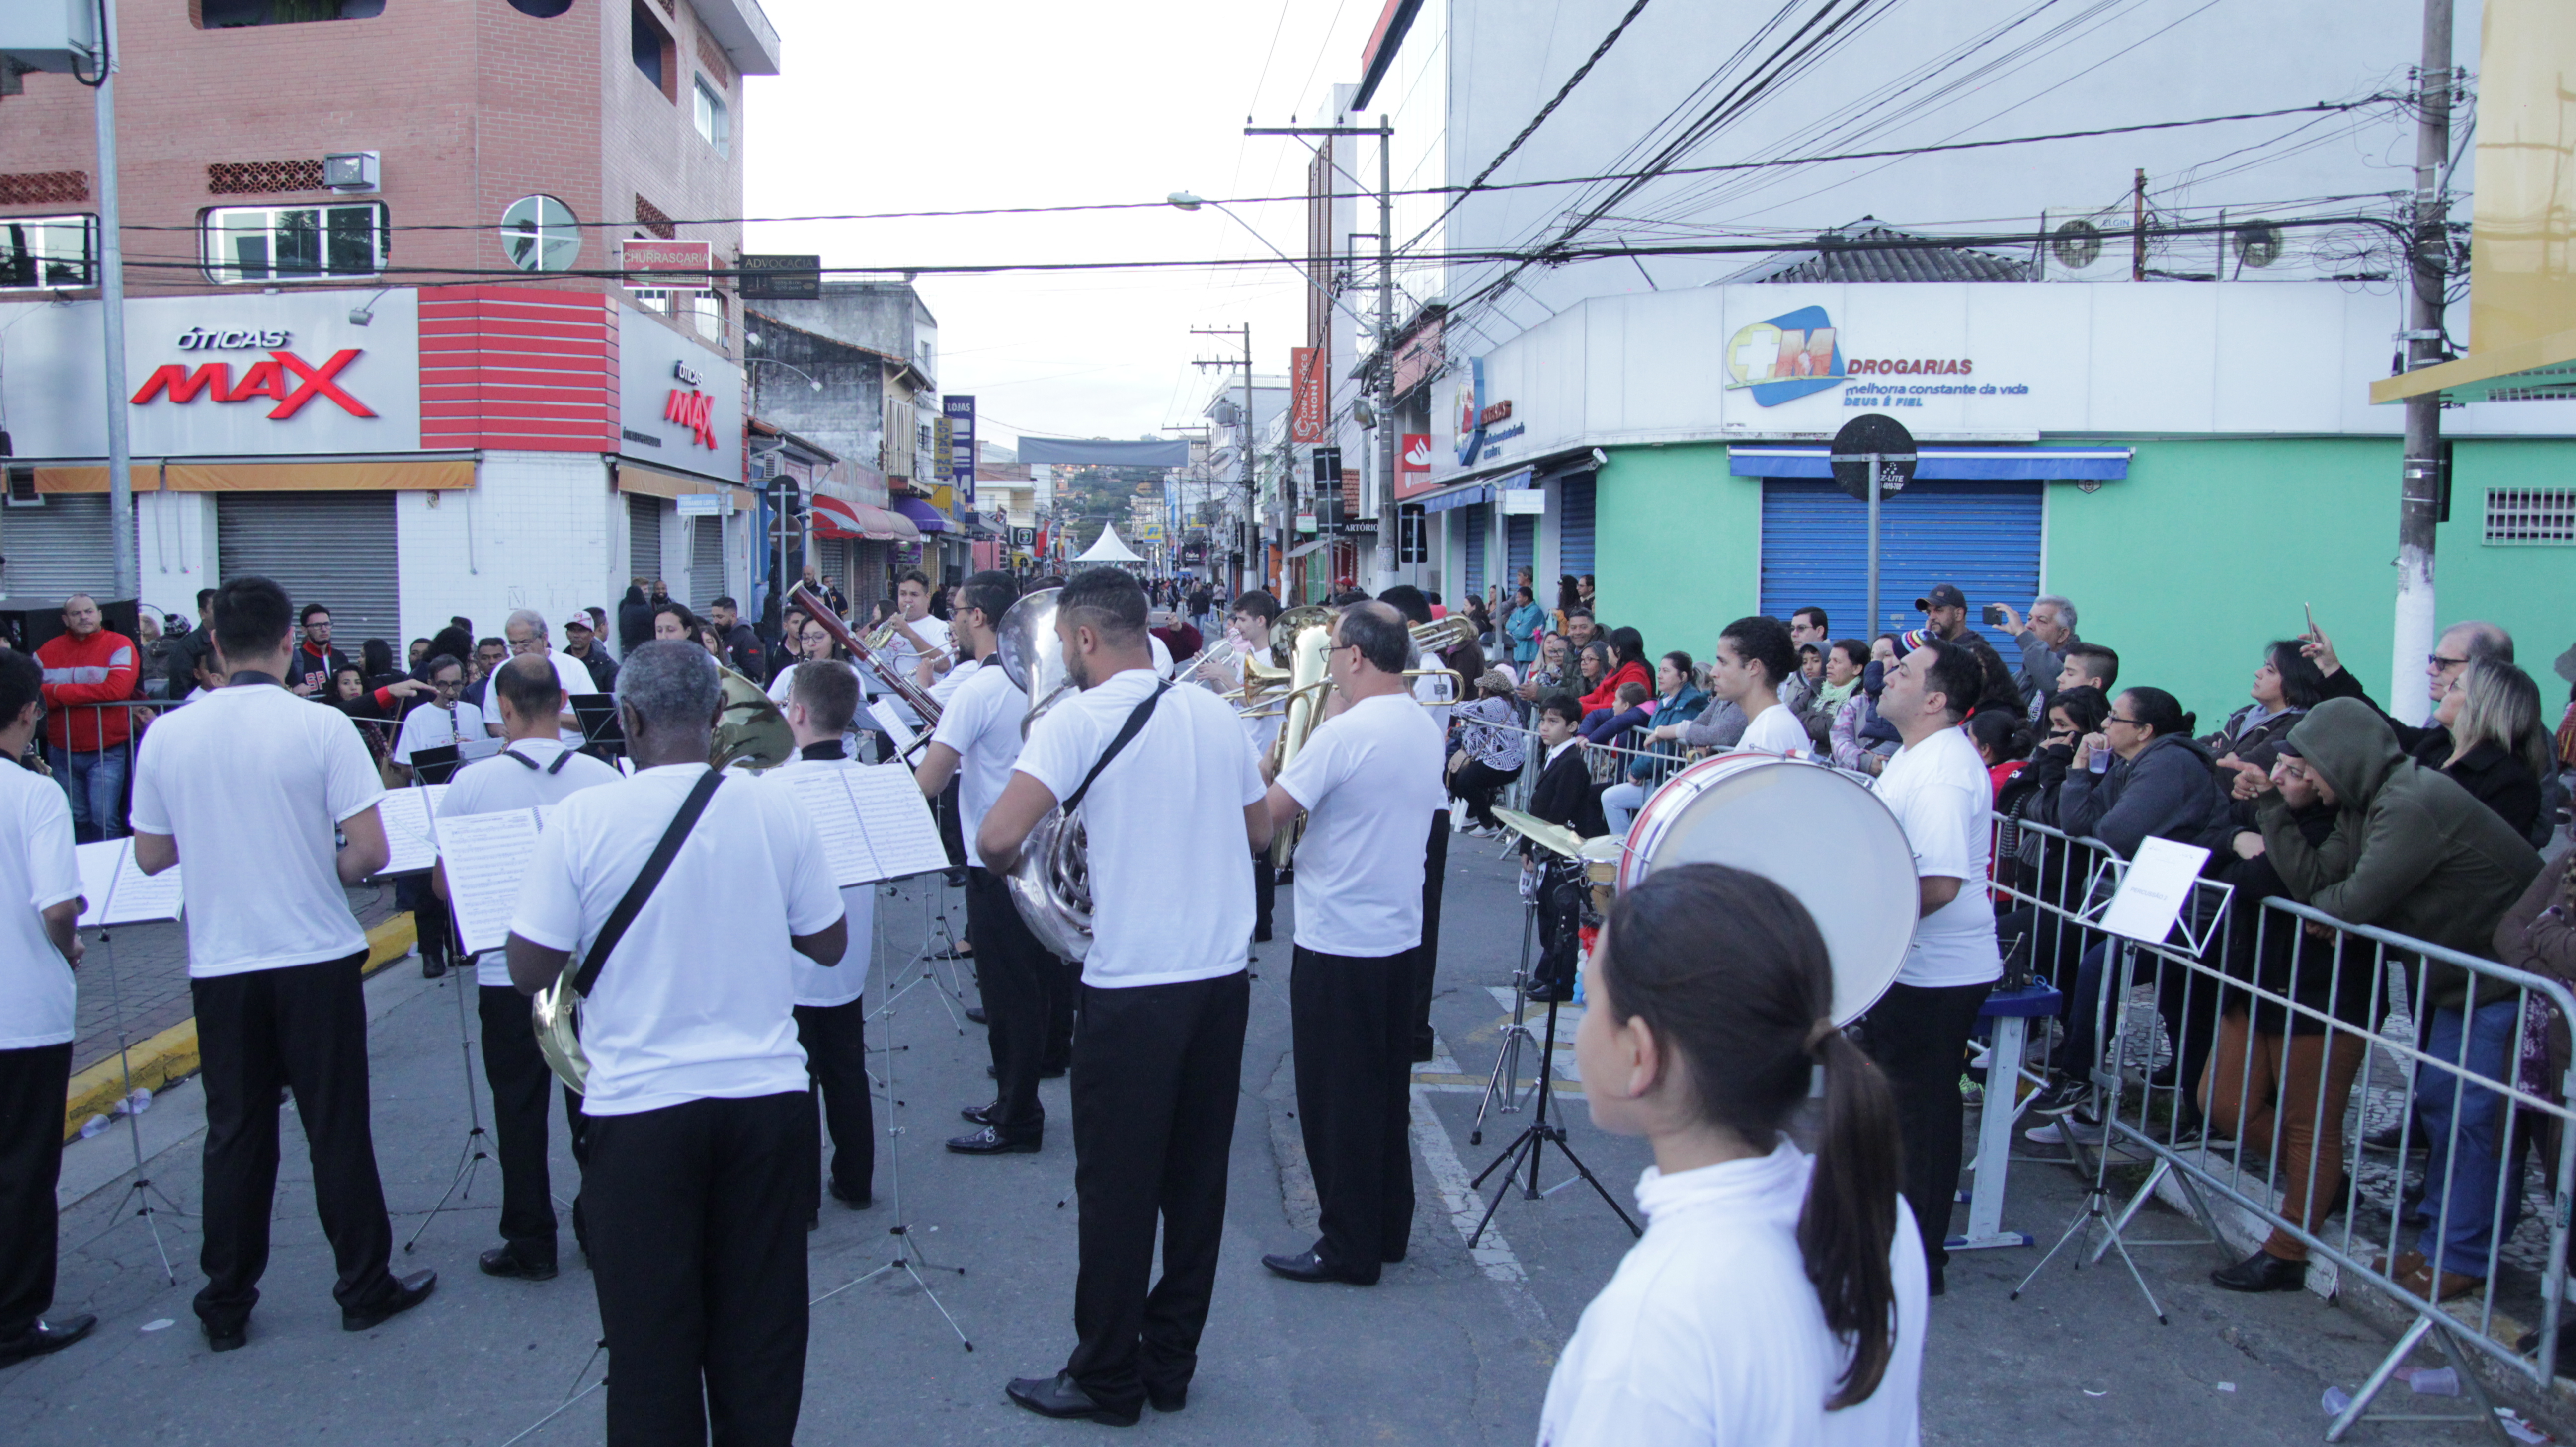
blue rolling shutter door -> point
(1520, 550)
(1478, 520)
(1983, 536)
(1574, 552)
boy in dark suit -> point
(1565, 795)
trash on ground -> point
(92, 1126)
(159, 1323)
(2434, 1381)
(2336, 1400)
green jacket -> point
(2411, 851)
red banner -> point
(1311, 397)
(1412, 465)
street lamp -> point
(810, 383)
(1184, 201)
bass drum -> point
(1814, 831)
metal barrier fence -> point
(2245, 1058)
(95, 761)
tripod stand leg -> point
(475, 1153)
(1558, 1138)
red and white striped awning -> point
(836, 518)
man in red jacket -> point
(88, 666)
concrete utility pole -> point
(1387, 521)
(111, 299)
(2420, 495)
(1251, 534)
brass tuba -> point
(1051, 882)
(751, 729)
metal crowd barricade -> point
(2288, 1035)
(87, 748)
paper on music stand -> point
(828, 802)
(469, 749)
(2154, 890)
(137, 896)
(901, 833)
(414, 843)
(897, 730)
(486, 855)
(97, 864)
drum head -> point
(1817, 833)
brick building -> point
(479, 373)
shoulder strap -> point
(1134, 725)
(642, 889)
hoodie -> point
(2411, 851)
(2169, 791)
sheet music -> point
(406, 815)
(546, 815)
(898, 730)
(486, 856)
(137, 896)
(901, 833)
(470, 749)
(97, 876)
(835, 813)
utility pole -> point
(2138, 226)
(1250, 535)
(2420, 486)
(111, 305)
(1385, 379)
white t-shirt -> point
(1171, 871)
(697, 1002)
(254, 783)
(1776, 730)
(37, 872)
(569, 673)
(945, 686)
(501, 782)
(1940, 791)
(900, 656)
(836, 984)
(1369, 778)
(1162, 657)
(1710, 1331)
(981, 721)
(432, 727)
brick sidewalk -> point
(150, 964)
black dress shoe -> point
(2261, 1271)
(991, 1142)
(1548, 993)
(1308, 1266)
(227, 1339)
(1059, 1397)
(1168, 1399)
(409, 1291)
(52, 1336)
(432, 969)
(855, 1200)
(979, 1114)
(976, 1014)
(1052, 1072)
(510, 1261)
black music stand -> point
(433, 766)
(601, 735)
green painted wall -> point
(1677, 549)
(2207, 550)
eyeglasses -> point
(2116, 719)
(449, 685)
(2438, 661)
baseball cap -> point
(1943, 595)
(581, 621)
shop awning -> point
(635, 477)
(1302, 549)
(1465, 494)
(442, 474)
(927, 518)
(835, 518)
(1948, 464)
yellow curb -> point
(172, 1054)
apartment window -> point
(539, 233)
(51, 251)
(654, 54)
(234, 14)
(296, 243)
(541, 9)
(697, 310)
(2531, 515)
(715, 125)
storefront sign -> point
(228, 375)
(779, 278)
(679, 403)
(1412, 465)
(1311, 397)
(959, 412)
(688, 261)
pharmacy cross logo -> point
(284, 378)
(694, 410)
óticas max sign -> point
(283, 377)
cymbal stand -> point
(1533, 1142)
(908, 1256)
(1506, 1080)
(571, 1395)
(476, 1139)
(140, 1191)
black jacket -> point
(2169, 791)
(2260, 744)
(2491, 775)
(1566, 795)
(634, 620)
(603, 670)
(2341, 684)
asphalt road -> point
(1451, 1347)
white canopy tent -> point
(1108, 549)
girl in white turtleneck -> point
(1777, 1298)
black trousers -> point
(1478, 782)
(429, 917)
(32, 1082)
(1560, 921)
(520, 1085)
(1064, 987)
(1352, 1020)
(1021, 982)
(1423, 960)
(305, 1027)
(952, 826)
(1155, 1071)
(1265, 893)
(697, 1237)
(835, 1038)
(1919, 1037)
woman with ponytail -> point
(1777, 1297)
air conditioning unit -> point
(351, 170)
(765, 466)
(51, 35)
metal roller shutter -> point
(1983, 536)
(59, 547)
(1574, 553)
(1478, 524)
(332, 548)
(1520, 550)
(706, 562)
(643, 535)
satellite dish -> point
(1873, 432)
(2076, 244)
(2258, 243)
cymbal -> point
(1553, 837)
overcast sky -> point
(1013, 103)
